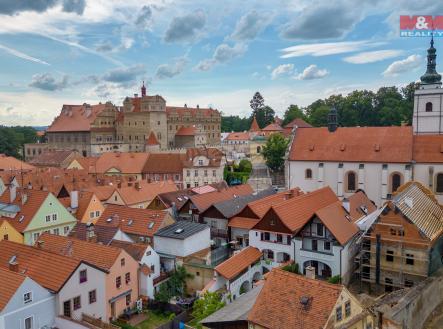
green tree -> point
(274, 151)
(264, 116)
(293, 112)
(318, 114)
(245, 166)
(209, 303)
(175, 286)
(257, 102)
(234, 123)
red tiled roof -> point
(428, 148)
(185, 131)
(96, 254)
(145, 192)
(273, 127)
(136, 250)
(254, 125)
(355, 201)
(128, 163)
(278, 303)
(75, 118)
(48, 269)
(152, 140)
(299, 123)
(243, 222)
(238, 136)
(234, 265)
(53, 158)
(143, 222)
(353, 144)
(11, 163)
(162, 163)
(10, 282)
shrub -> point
(335, 279)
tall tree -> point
(274, 151)
(264, 116)
(293, 112)
(257, 102)
(209, 303)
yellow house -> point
(89, 208)
(8, 232)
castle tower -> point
(143, 90)
(428, 99)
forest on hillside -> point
(388, 106)
(13, 138)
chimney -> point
(12, 193)
(346, 205)
(40, 244)
(310, 272)
(24, 198)
(90, 233)
(13, 264)
(119, 184)
(198, 106)
(74, 199)
(137, 185)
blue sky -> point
(211, 53)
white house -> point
(24, 303)
(374, 159)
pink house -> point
(121, 279)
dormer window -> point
(200, 162)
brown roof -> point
(52, 158)
(299, 123)
(278, 304)
(152, 140)
(185, 131)
(234, 265)
(48, 269)
(11, 163)
(356, 201)
(125, 162)
(104, 233)
(34, 200)
(254, 125)
(428, 148)
(272, 127)
(242, 222)
(238, 136)
(161, 163)
(145, 192)
(353, 144)
(96, 254)
(204, 201)
(103, 193)
(333, 216)
(136, 250)
(87, 163)
(142, 222)
(76, 118)
(213, 154)
(10, 282)
(297, 211)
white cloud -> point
(404, 65)
(327, 48)
(251, 25)
(283, 69)
(312, 72)
(222, 54)
(373, 56)
(21, 55)
(165, 71)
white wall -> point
(255, 241)
(427, 122)
(186, 247)
(73, 288)
(147, 281)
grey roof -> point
(104, 234)
(238, 310)
(230, 208)
(181, 230)
(421, 209)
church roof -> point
(353, 144)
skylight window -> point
(109, 220)
(151, 225)
(130, 221)
(178, 231)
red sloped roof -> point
(254, 125)
(272, 127)
(152, 140)
(353, 144)
(75, 118)
(234, 265)
(299, 123)
(185, 131)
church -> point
(376, 160)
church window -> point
(308, 174)
(395, 181)
(351, 181)
(428, 107)
(439, 183)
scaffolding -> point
(370, 254)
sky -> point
(205, 52)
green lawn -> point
(153, 321)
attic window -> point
(21, 218)
(377, 147)
(342, 147)
(151, 225)
(179, 230)
(364, 209)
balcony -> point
(219, 233)
(163, 276)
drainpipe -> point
(341, 249)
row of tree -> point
(388, 106)
(13, 138)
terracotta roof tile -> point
(142, 222)
(152, 140)
(238, 136)
(204, 201)
(161, 163)
(136, 250)
(125, 162)
(10, 282)
(53, 158)
(278, 305)
(299, 123)
(357, 200)
(428, 148)
(103, 233)
(48, 269)
(185, 131)
(96, 254)
(145, 192)
(243, 222)
(254, 125)
(234, 265)
(76, 118)
(273, 127)
(11, 163)
(353, 144)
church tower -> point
(428, 99)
